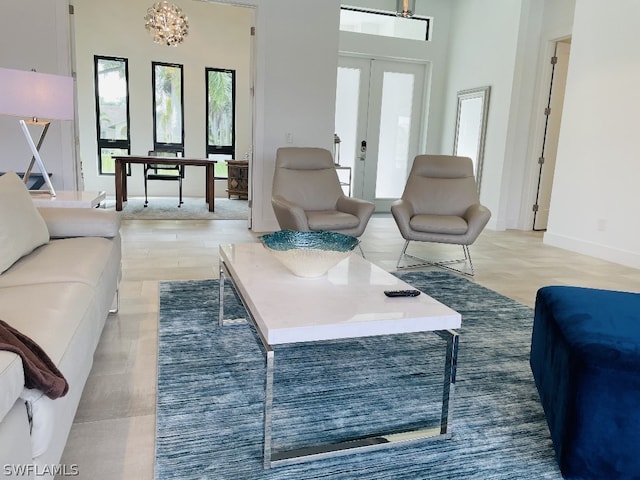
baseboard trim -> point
(597, 250)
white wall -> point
(296, 58)
(432, 53)
(594, 205)
(297, 61)
(219, 37)
(476, 43)
(557, 24)
(595, 193)
(34, 34)
(484, 43)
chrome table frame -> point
(375, 442)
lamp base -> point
(36, 154)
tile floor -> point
(114, 430)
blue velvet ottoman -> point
(585, 359)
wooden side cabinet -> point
(238, 178)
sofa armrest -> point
(81, 222)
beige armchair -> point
(307, 195)
(440, 204)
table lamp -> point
(37, 96)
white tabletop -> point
(68, 199)
(347, 302)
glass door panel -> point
(378, 119)
(395, 134)
(352, 96)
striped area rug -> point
(210, 393)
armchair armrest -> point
(355, 206)
(402, 212)
(477, 217)
(290, 216)
(81, 222)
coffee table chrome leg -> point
(375, 442)
(270, 362)
(450, 367)
(268, 406)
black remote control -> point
(402, 293)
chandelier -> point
(405, 8)
(167, 23)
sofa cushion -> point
(22, 228)
(62, 318)
(50, 314)
(81, 259)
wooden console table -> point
(238, 178)
(121, 162)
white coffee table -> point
(347, 302)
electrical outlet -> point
(289, 137)
(602, 225)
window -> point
(168, 108)
(221, 102)
(386, 24)
(112, 110)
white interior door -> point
(378, 119)
(552, 134)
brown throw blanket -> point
(39, 371)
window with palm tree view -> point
(168, 108)
(221, 99)
(112, 110)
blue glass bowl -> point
(309, 254)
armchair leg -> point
(402, 254)
(467, 256)
(116, 306)
(421, 262)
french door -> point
(379, 105)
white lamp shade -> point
(34, 94)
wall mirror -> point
(471, 127)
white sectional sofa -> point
(59, 275)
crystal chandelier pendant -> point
(405, 8)
(166, 23)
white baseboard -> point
(604, 252)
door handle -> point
(363, 150)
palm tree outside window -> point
(168, 110)
(221, 100)
(111, 84)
